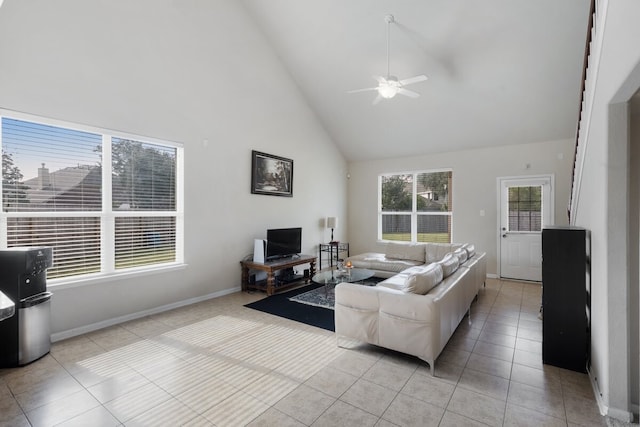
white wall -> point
(192, 71)
(634, 255)
(475, 174)
(601, 205)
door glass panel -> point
(525, 208)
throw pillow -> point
(449, 264)
(461, 254)
(421, 282)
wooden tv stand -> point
(270, 267)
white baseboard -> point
(618, 414)
(492, 276)
(59, 336)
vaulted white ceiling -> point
(500, 71)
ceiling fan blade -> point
(409, 93)
(412, 80)
(378, 99)
(362, 90)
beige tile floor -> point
(217, 363)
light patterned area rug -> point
(319, 297)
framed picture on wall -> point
(271, 175)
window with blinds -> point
(525, 208)
(103, 202)
(415, 207)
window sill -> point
(70, 282)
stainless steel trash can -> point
(34, 327)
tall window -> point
(415, 207)
(104, 202)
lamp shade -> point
(332, 222)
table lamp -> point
(332, 222)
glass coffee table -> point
(333, 277)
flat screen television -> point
(284, 242)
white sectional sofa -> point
(417, 309)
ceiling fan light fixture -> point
(387, 91)
(389, 87)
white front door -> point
(526, 206)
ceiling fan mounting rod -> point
(389, 19)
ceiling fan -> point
(390, 86)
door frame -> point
(499, 183)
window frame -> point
(107, 214)
(415, 213)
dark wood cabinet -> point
(566, 297)
(270, 285)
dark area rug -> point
(280, 305)
(311, 307)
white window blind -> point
(49, 168)
(75, 241)
(144, 176)
(144, 240)
(144, 181)
(57, 192)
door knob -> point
(504, 235)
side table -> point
(334, 249)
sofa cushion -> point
(462, 255)
(449, 264)
(471, 249)
(423, 280)
(396, 282)
(406, 251)
(379, 262)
